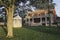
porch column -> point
(40, 20)
(45, 19)
(51, 18)
(29, 22)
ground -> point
(32, 33)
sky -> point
(57, 6)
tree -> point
(22, 9)
(50, 5)
(41, 4)
(9, 4)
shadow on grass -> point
(4, 29)
(50, 30)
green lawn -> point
(33, 33)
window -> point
(43, 19)
(43, 24)
(47, 18)
(39, 14)
(30, 19)
(36, 20)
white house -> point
(39, 17)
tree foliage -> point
(42, 4)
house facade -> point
(39, 17)
(58, 21)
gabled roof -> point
(39, 11)
(36, 12)
(17, 17)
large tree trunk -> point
(10, 22)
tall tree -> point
(41, 4)
(50, 6)
(9, 4)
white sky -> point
(57, 7)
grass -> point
(33, 33)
